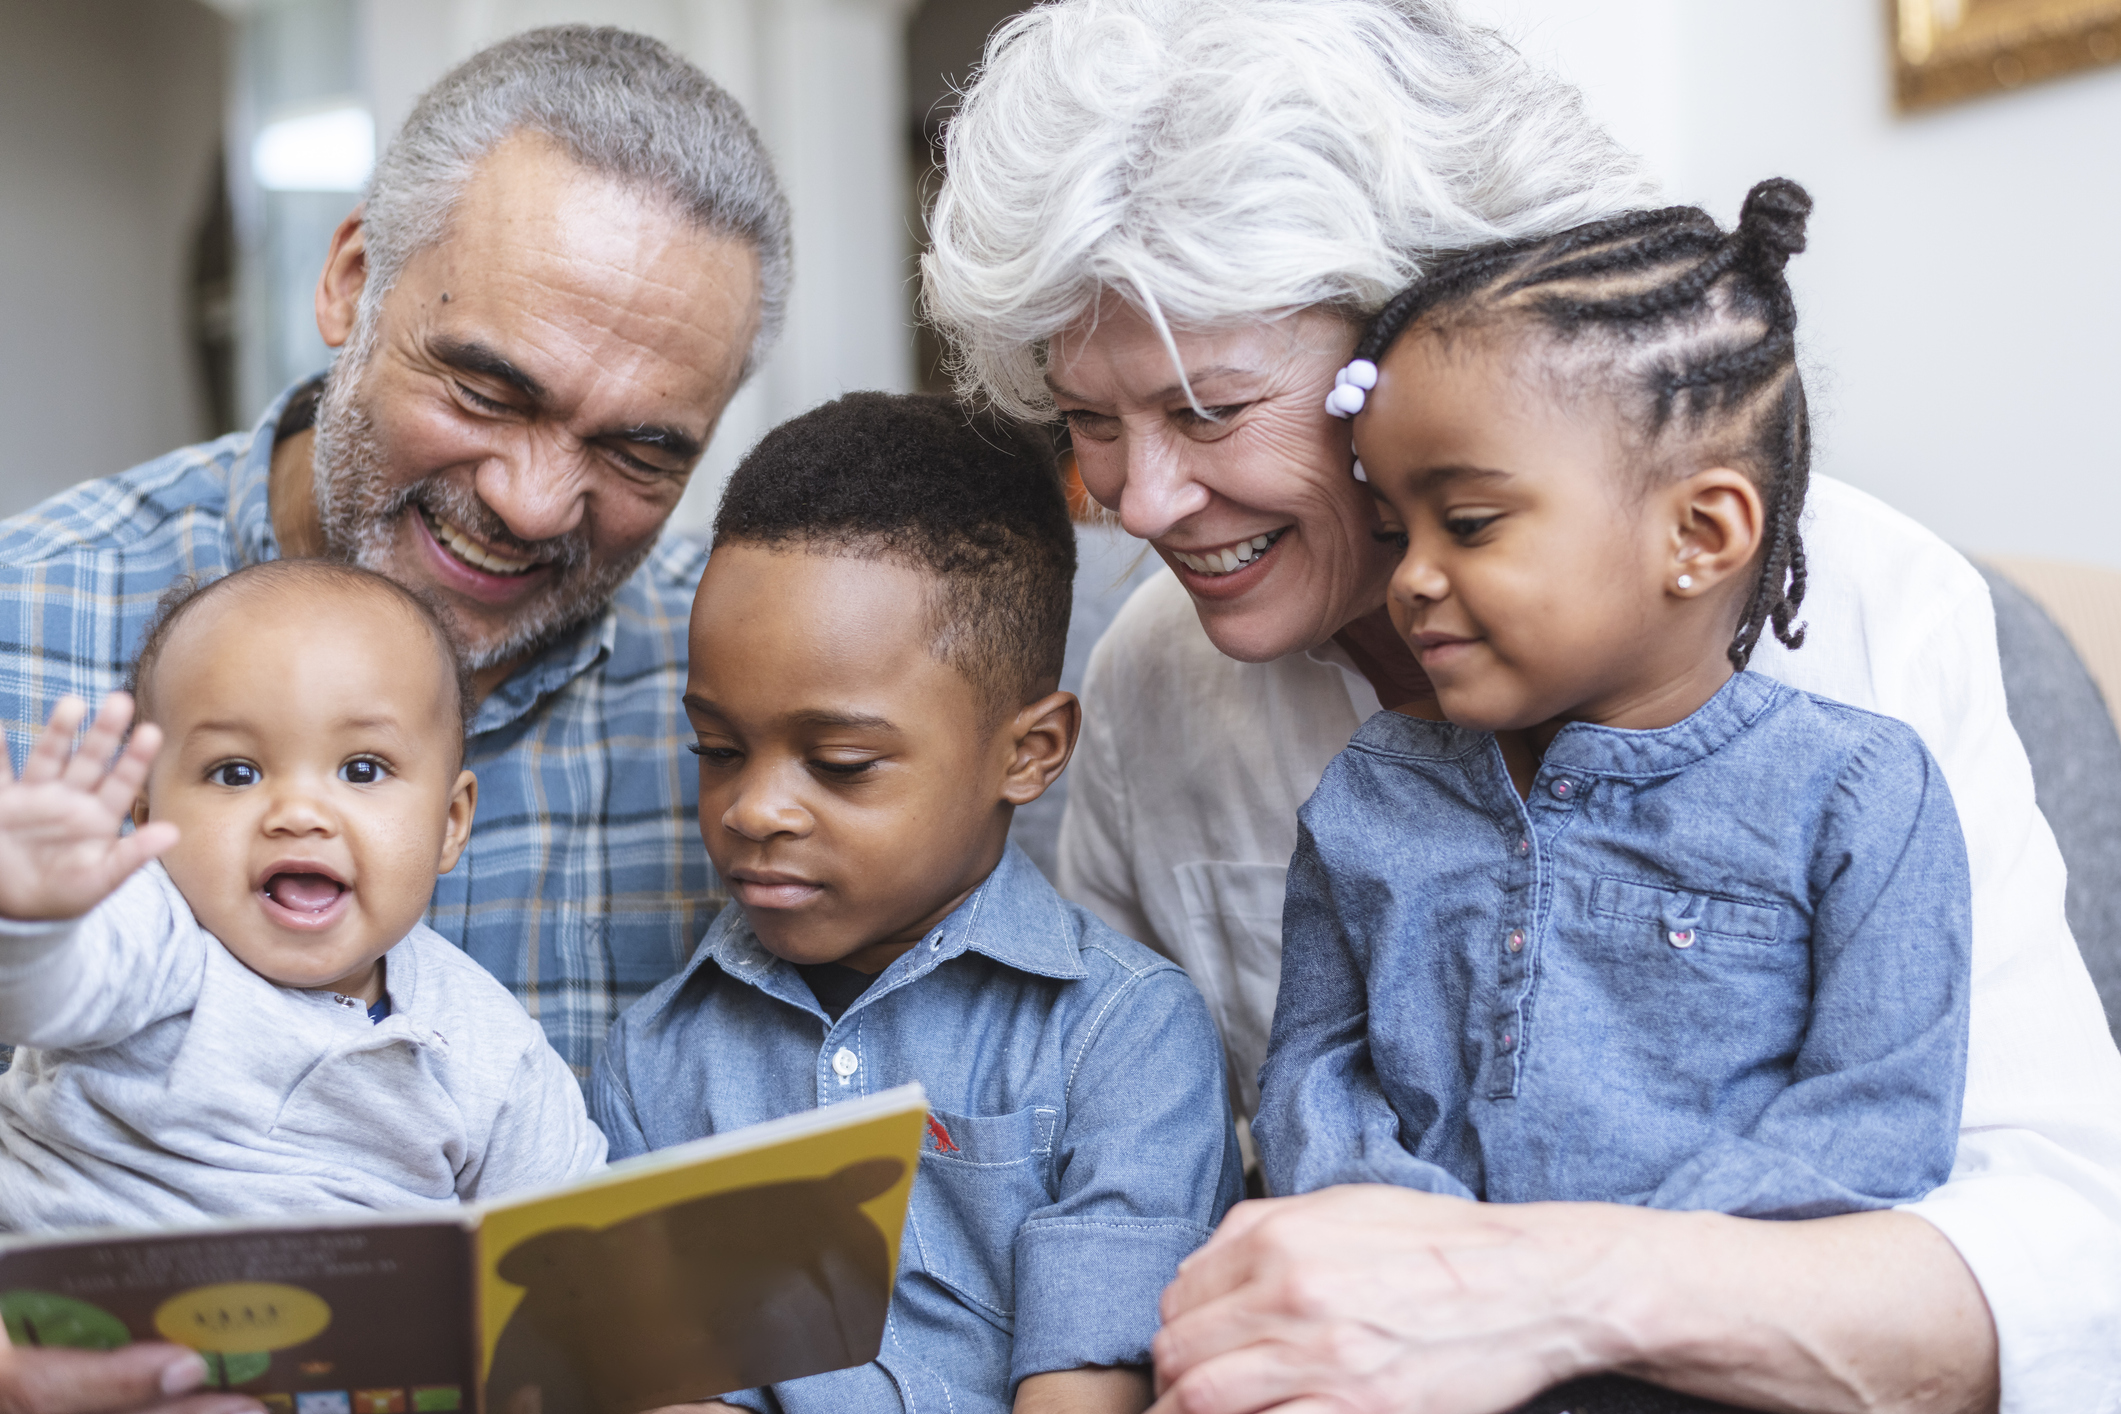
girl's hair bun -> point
(1771, 224)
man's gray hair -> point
(1212, 161)
(622, 104)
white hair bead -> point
(1361, 372)
(1345, 400)
(1360, 474)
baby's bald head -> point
(304, 586)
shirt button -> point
(1524, 846)
(1561, 787)
(1516, 943)
(844, 1063)
(1681, 937)
(1509, 1043)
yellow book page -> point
(748, 1258)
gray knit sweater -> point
(160, 1080)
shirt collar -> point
(250, 484)
(573, 654)
(1611, 751)
(1013, 917)
(1582, 748)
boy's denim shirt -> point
(1079, 1082)
(1722, 965)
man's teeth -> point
(1230, 557)
(469, 551)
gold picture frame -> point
(1946, 50)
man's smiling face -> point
(528, 404)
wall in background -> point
(110, 121)
(1959, 304)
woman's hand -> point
(1378, 1299)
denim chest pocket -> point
(980, 1177)
(1634, 915)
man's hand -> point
(139, 1379)
(60, 851)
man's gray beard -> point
(359, 511)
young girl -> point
(1631, 924)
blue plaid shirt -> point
(585, 883)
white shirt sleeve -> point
(1096, 863)
(135, 958)
(1903, 625)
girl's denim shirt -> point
(1722, 965)
(1080, 1145)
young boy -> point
(875, 649)
(255, 1021)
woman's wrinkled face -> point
(1252, 505)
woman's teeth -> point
(1230, 557)
(468, 550)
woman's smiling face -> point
(1253, 506)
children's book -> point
(760, 1255)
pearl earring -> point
(1686, 581)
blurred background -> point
(172, 170)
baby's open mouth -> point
(304, 893)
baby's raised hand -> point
(60, 851)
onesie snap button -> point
(1561, 787)
(844, 1063)
(1516, 943)
(1524, 846)
(1681, 937)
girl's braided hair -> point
(1693, 327)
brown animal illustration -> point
(720, 1293)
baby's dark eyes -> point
(719, 755)
(1397, 539)
(362, 771)
(234, 774)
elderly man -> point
(568, 261)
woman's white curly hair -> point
(1211, 161)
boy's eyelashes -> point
(839, 770)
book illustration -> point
(676, 1277)
(719, 1293)
(291, 1315)
(751, 1257)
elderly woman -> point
(1167, 220)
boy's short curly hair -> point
(968, 498)
(187, 593)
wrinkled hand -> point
(1364, 1300)
(60, 851)
(138, 1379)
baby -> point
(1633, 925)
(235, 1010)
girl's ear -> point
(1718, 520)
(1043, 736)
